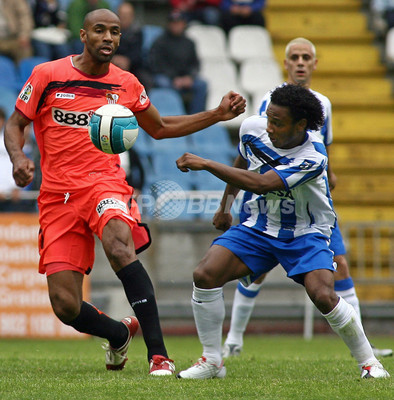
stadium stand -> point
(258, 76)
(247, 41)
(149, 34)
(210, 41)
(168, 101)
(9, 74)
(7, 100)
(27, 64)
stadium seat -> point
(220, 74)
(259, 75)
(205, 180)
(168, 178)
(215, 137)
(63, 4)
(247, 41)
(149, 35)
(175, 147)
(27, 64)
(210, 41)
(167, 101)
(9, 74)
(213, 100)
(7, 100)
(164, 166)
(114, 4)
(143, 144)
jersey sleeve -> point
(328, 135)
(262, 108)
(247, 125)
(29, 97)
(301, 170)
(138, 99)
(325, 132)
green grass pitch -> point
(270, 367)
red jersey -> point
(60, 100)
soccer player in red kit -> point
(84, 191)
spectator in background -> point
(10, 193)
(129, 53)
(204, 11)
(242, 12)
(174, 63)
(16, 25)
(50, 38)
(76, 12)
(382, 15)
(135, 173)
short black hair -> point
(302, 103)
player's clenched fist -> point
(23, 171)
(232, 105)
(190, 162)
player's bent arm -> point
(164, 127)
(23, 167)
(223, 219)
(246, 180)
(242, 179)
(231, 192)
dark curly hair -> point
(302, 103)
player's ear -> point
(82, 35)
(301, 124)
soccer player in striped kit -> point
(289, 222)
(300, 62)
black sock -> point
(94, 322)
(139, 291)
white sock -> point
(350, 296)
(209, 312)
(344, 321)
(243, 305)
(345, 289)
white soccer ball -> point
(113, 128)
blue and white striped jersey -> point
(305, 206)
(325, 132)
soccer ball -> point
(113, 128)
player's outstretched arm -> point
(23, 167)
(231, 105)
(245, 180)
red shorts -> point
(69, 221)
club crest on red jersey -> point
(112, 98)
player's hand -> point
(190, 162)
(332, 181)
(232, 105)
(222, 221)
(23, 171)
